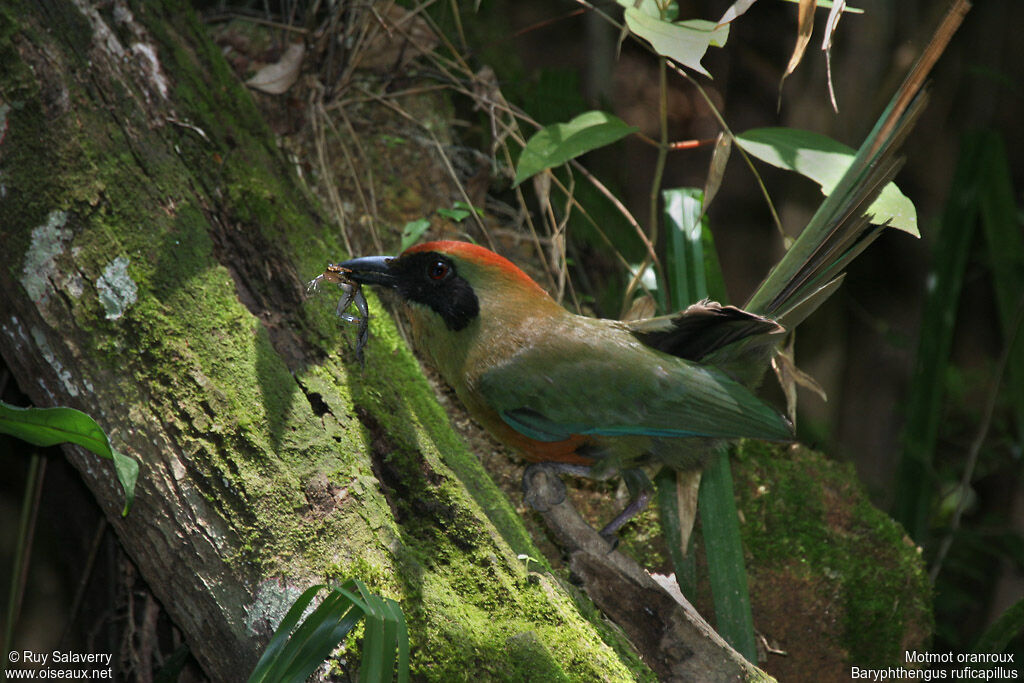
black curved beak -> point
(371, 270)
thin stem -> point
(725, 126)
(659, 164)
(979, 440)
(23, 549)
(83, 582)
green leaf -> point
(1008, 626)
(915, 478)
(694, 273)
(683, 560)
(686, 226)
(273, 656)
(724, 550)
(296, 650)
(558, 143)
(1005, 243)
(467, 207)
(51, 426)
(460, 211)
(683, 41)
(824, 161)
(412, 231)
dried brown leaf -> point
(277, 78)
(805, 26)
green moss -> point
(810, 518)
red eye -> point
(438, 270)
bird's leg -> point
(641, 489)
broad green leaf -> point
(685, 223)
(456, 215)
(824, 161)
(51, 426)
(460, 211)
(560, 142)
(412, 231)
(684, 41)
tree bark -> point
(157, 248)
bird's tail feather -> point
(840, 229)
(838, 232)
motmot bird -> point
(589, 395)
(598, 397)
(604, 396)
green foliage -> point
(560, 142)
(413, 231)
(724, 549)
(459, 212)
(1001, 226)
(51, 426)
(1008, 626)
(824, 161)
(684, 41)
(934, 495)
(296, 650)
(915, 486)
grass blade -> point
(401, 641)
(1006, 255)
(724, 549)
(686, 224)
(280, 638)
(694, 274)
(914, 483)
(296, 650)
(683, 561)
(1008, 626)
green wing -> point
(617, 387)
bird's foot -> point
(611, 529)
(542, 487)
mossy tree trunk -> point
(156, 245)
